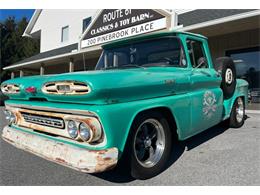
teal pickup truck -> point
(145, 93)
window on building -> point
(197, 54)
(65, 33)
(86, 23)
(247, 62)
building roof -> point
(204, 15)
(51, 53)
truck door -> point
(205, 92)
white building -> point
(57, 28)
(62, 32)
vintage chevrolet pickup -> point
(145, 93)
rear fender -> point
(240, 91)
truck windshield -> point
(156, 52)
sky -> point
(17, 13)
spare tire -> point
(226, 68)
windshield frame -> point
(182, 54)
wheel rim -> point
(229, 76)
(149, 143)
(239, 110)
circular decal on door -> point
(209, 104)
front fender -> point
(117, 119)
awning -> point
(56, 55)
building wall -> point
(51, 21)
(239, 40)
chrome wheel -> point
(149, 143)
(229, 76)
(240, 110)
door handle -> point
(206, 73)
(218, 74)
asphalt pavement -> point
(218, 156)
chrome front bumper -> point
(81, 159)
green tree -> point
(14, 47)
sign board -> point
(113, 24)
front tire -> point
(237, 116)
(150, 145)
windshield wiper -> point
(122, 67)
(160, 65)
(110, 67)
(131, 66)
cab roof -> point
(149, 36)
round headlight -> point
(84, 132)
(72, 129)
(9, 116)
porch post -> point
(174, 20)
(71, 65)
(21, 73)
(12, 75)
(42, 69)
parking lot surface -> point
(218, 156)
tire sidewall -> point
(139, 171)
(233, 120)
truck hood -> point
(107, 86)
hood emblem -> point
(31, 89)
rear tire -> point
(149, 145)
(226, 68)
(237, 116)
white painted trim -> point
(221, 20)
(164, 12)
(53, 57)
(183, 11)
(95, 17)
(27, 31)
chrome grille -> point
(43, 120)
